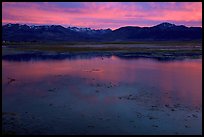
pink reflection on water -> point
(109, 70)
(183, 78)
(179, 78)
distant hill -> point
(56, 33)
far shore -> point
(161, 50)
(108, 42)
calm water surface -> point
(102, 96)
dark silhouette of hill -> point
(56, 33)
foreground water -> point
(102, 95)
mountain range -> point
(57, 33)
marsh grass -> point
(153, 48)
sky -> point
(102, 15)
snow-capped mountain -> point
(58, 33)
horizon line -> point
(31, 24)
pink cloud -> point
(188, 12)
(101, 15)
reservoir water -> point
(102, 95)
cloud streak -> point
(102, 14)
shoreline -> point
(106, 42)
(162, 51)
